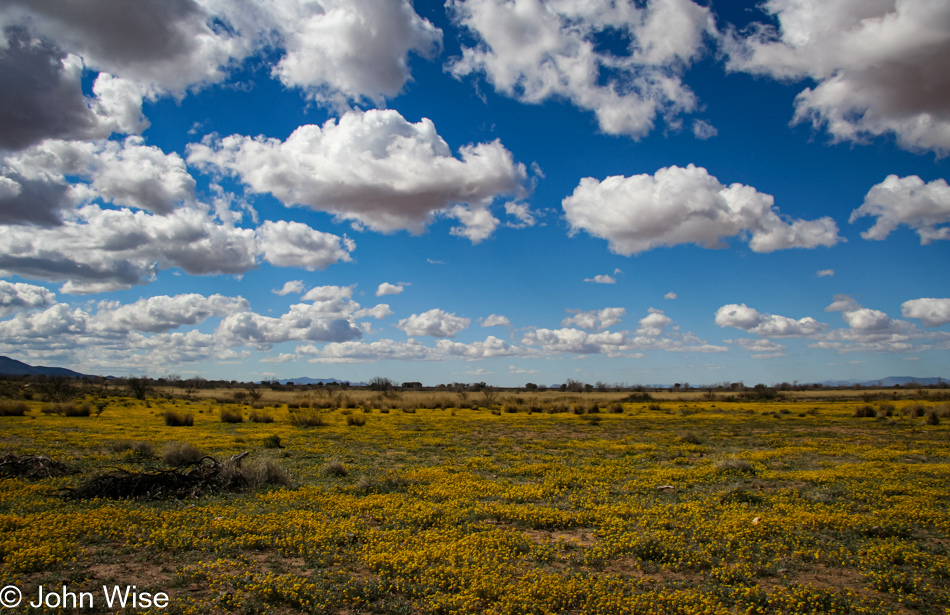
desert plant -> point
(734, 464)
(272, 442)
(9, 408)
(865, 411)
(306, 417)
(176, 454)
(884, 410)
(74, 410)
(231, 415)
(260, 417)
(178, 419)
(334, 468)
(931, 418)
(139, 387)
(690, 438)
(355, 420)
(136, 448)
(913, 411)
(262, 472)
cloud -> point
(374, 168)
(351, 50)
(329, 294)
(908, 201)
(766, 349)
(824, 273)
(302, 322)
(595, 319)
(670, 295)
(676, 206)
(284, 357)
(704, 130)
(100, 250)
(294, 244)
(931, 312)
(293, 286)
(654, 324)
(435, 322)
(522, 213)
(389, 289)
(379, 311)
(534, 51)
(766, 325)
(496, 320)
(601, 279)
(162, 313)
(879, 67)
(43, 96)
(490, 348)
(18, 296)
(367, 352)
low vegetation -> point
(530, 502)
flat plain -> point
(526, 503)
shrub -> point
(231, 415)
(10, 408)
(177, 454)
(74, 410)
(655, 407)
(690, 438)
(306, 417)
(262, 472)
(884, 410)
(178, 419)
(60, 408)
(384, 410)
(616, 408)
(734, 464)
(137, 448)
(931, 418)
(862, 412)
(272, 442)
(355, 420)
(260, 417)
(914, 411)
(334, 468)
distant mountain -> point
(890, 381)
(307, 380)
(12, 367)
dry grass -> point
(178, 419)
(231, 415)
(177, 454)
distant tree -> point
(139, 387)
(491, 395)
(381, 384)
(573, 386)
(58, 388)
(531, 387)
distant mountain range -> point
(12, 367)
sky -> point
(500, 191)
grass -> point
(694, 506)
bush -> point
(262, 472)
(137, 448)
(616, 408)
(931, 418)
(734, 464)
(231, 415)
(884, 410)
(334, 468)
(272, 442)
(306, 417)
(260, 417)
(74, 410)
(863, 412)
(355, 420)
(177, 454)
(178, 419)
(10, 408)
(914, 411)
(690, 438)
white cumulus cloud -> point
(686, 205)
(766, 325)
(601, 278)
(293, 286)
(374, 168)
(909, 201)
(535, 50)
(931, 312)
(17, 296)
(595, 319)
(389, 289)
(496, 320)
(879, 67)
(435, 322)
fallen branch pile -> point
(32, 467)
(207, 476)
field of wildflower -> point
(522, 504)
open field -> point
(662, 506)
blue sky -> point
(510, 192)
